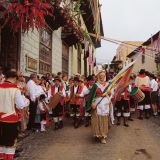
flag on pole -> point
(123, 83)
(125, 73)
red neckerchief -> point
(8, 84)
(141, 75)
(99, 92)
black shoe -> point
(56, 126)
(16, 155)
(146, 117)
(118, 123)
(97, 139)
(19, 150)
(76, 123)
(140, 118)
(87, 122)
(126, 125)
(60, 124)
(130, 119)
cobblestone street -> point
(140, 141)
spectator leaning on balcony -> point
(11, 102)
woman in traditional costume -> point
(100, 106)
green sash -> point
(92, 95)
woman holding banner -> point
(100, 106)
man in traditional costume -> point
(122, 106)
(143, 82)
(77, 93)
(11, 103)
(66, 99)
(58, 111)
(33, 97)
(43, 107)
(154, 94)
(133, 104)
(89, 85)
(100, 107)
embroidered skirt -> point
(99, 125)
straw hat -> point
(100, 71)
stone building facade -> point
(125, 49)
(145, 54)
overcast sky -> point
(127, 20)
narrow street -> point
(140, 141)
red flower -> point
(26, 14)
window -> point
(65, 58)
(45, 52)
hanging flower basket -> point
(25, 14)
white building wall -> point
(29, 47)
(56, 51)
(149, 62)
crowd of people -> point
(39, 102)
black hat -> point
(90, 78)
(10, 73)
(76, 79)
(57, 78)
(142, 71)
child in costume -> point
(43, 107)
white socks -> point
(43, 127)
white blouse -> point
(103, 106)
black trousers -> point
(147, 99)
(122, 106)
(8, 134)
(43, 116)
(75, 109)
(58, 110)
(32, 115)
